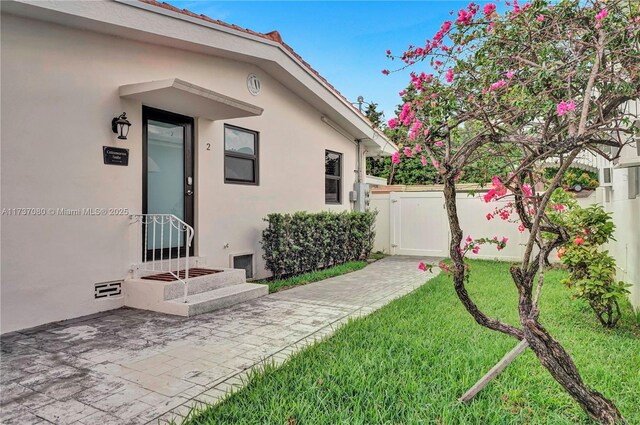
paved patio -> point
(131, 366)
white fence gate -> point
(418, 224)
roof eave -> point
(236, 44)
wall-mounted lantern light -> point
(120, 125)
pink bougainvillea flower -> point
(468, 238)
(407, 152)
(476, 249)
(449, 75)
(437, 39)
(418, 148)
(578, 241)
(489, 216)
(504, 240)
(388, 52)
(496, 191)
(424, 161)
(521, 228)
(435, 163)
(422, 266)
(465, 16)
(526, 190)
(540, 18)
(563, 107)
(385, 72)
(444, 267)
(558, 207)
(396, 157)
(497, 85)
(501, 190)
(438, 143)
(405, 113)
(490, 195)
(510, 73)
(488, 10)
(392, 123)
(601, 15)
(417, 125)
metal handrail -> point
(162, 228)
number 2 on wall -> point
(208, 146)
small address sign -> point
(115, 156)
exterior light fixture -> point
(120, 125)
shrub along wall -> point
(302, 242)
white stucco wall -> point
(626, 216)
(59, 94)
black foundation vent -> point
(244, 262)
(108, 289)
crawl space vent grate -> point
(108, 289)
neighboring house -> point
(227, 125)
(619, 192)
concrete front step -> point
(166, 297)
(217, 299)
(164, 291)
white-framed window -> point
(332, 177)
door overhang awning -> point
(185, 98)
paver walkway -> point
(131, 366)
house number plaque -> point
(115, 156)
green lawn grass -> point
(303, 279)
(408, 363)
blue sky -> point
(344, 41)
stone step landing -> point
(206, 293)
(217, 299)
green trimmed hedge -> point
(302, 242)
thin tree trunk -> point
(550, 352)
(560, 365)
(459, 271)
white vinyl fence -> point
(415, 223)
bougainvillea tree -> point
(541, 80)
